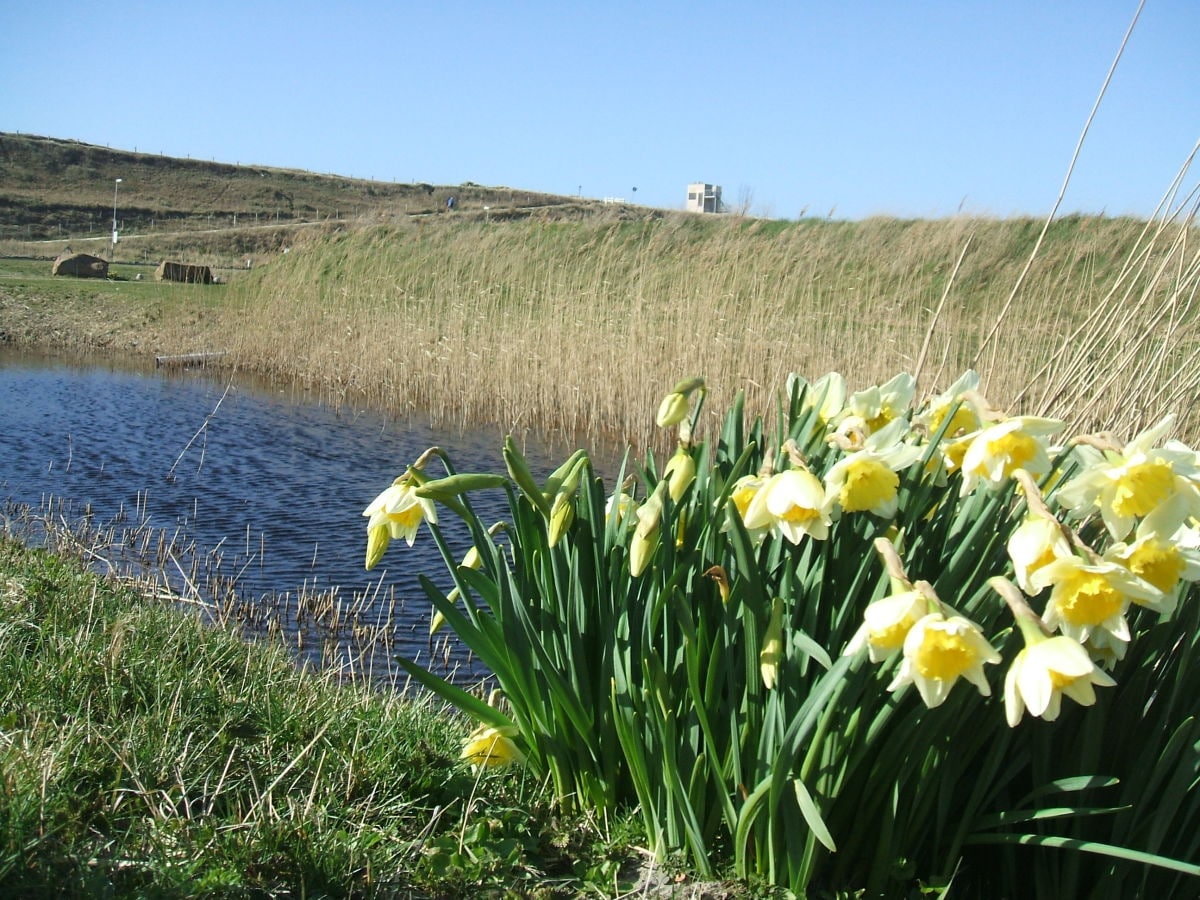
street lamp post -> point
(112, 255)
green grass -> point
(36, 276)
(143, 753)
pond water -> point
(255, 491)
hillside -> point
(54, 189)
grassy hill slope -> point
(53, 188)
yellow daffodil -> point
(619, 505)
(1128, 484)
(948, 460)
(1089, 596)
(954, 451)
(953, 408)
(1047, 667)
(1163, 558)
(886, 623)
(878, 405)
(866, 480)
(1045, 670)
(745, 489)
(863, 482)
(794, 503)
(997, 451)
(940, 650)
(396, 513)
(488, 747)
(1035, 543)
(827, 395)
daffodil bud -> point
(565, 479)
(436, 623)
(378, 539)
(641, 549)
(674, 406)
(688, 385)
(562, 514)
(721, 577)
(561, 488)
(650, 513)
(681, 529)
(452, 486)
(672, 410)
(472, 560)
(645, 536)
(518, 470)
(679, 473)
(772, 648)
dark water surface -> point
(270, 485)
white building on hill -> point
(704, 198)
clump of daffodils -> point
(733, 634)
(1098, 531)
(1146, 493)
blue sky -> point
(845, 108)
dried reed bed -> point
(575, 329)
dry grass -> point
(577, 328)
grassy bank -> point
(143, 753)
(574, 327)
